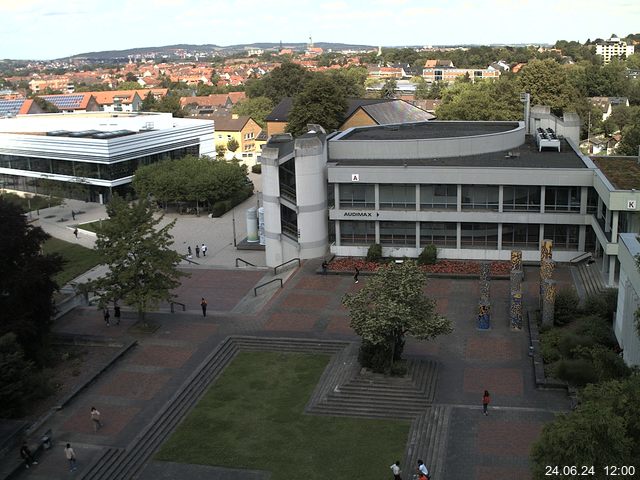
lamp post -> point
(233, 225)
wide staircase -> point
(590, 277)
(124, 464)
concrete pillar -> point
(376, 196)
(499, 236)
(614, 227)
(377, 231)
(417, 197)
(582, 237)
(584, 195)
(515, 280)
(336, 195)
(484, 316)
(458, 234)
(516, 260)
(418, 237)
(337, 226)
(612, 271)
(515, 310)
(543, 191)
(459, 204)
(500, 201)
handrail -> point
(255, 290)
(189, 260)
(581, 257)
(184, 307)
(243, 261)
(275, 269)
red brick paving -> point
(161, 356)
(293, 322)
(418, 347)
(442, 305)
(89, 321)
(143, 386)
(305, 301)
(114, 418)
(339, 324)
(223, 292)
(438, 287)
(507, 439)
(191, 332)
(328, 283)
(499, 381)
(493, 349)
(497, 473)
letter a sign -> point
(355, 177)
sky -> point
(47, 29)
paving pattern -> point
(451, 434)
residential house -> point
(607, 104)
(119, 100)
(74, 102)
(242, 129)
(614, 48)
(444, 71)
(208, 105)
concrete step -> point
(427, 440)
(363, 411)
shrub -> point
(257, 168)
(374, 357)
(566, 306)
(607, 364)
(596, 328)
(549, 345)
(570, 342)
(220, 208)
(577, 372)
(429, 255)
(604, 304)
(374, 254)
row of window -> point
(444, 234)
(473, 197)
(103, 171)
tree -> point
(389, 88)
(287, 80)
(257, 108)
(233, 145)
(548, 83)
(321, 102)
(220, 151)
(26, 284)
(485, 100)
(142, 266)
(45, 105)
(392, 305)
(16, 377)
(603, 430)
(130, 77)
(149, 104)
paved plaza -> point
(136, 387)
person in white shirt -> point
(71, 457)
(395, 469)
(422, 468)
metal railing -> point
(189, 260)
(171, 304)
(275, 269)
(243, 261)
(255, 290)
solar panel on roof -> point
(11, 107)
(70, 101)
(84, 133)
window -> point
(287, 173)
(520, 235)
(479, 235)
(289, 222)
(564, 237)
(398, 234)
(357, 233)
(562, 199)
(438, 197)
(357, 196)
(592, 201)
(520, 198)
(480, 197)
(398, 196)
(439, 234)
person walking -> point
(73, 215)
(71, 457)
(486, 399)
(203, 304)
(324, 267)
(75, 232)
(422, 469)
(197, 251)
(106, 315)
(95, 417)
(356, 275)
(27, 456)
(204, 250)
(116, 313)
(189, 254)
(395, 469)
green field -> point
(78, 259)
(92, 226)
(252, 418)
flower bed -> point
(447, 267)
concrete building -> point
(476, 190)
(91, 155)
(613, 48)
(627, 334)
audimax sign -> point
(360, 214)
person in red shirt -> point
(485, 402)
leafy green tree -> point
(171, 103)
(232, 145)
(149, 104)
(485, 100)
(16, 378)
(45, 105)
(220, 151)
(130, 77)
(287, 80)
(391, 306)
(321, 102)
(630, 141)
(350, 80)
(603, 430)
(548, 83)
(142, 266)
(26, 282)
(389, 88)
(257, 108)
(129, 86)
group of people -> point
(199, 249)
(422, 471)
(69, 452)
(107, 315)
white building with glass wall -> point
(476, 190)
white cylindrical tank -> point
(252, 225)
(261, 226)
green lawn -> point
(252, 417)
(92, 226)
(79, 259)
